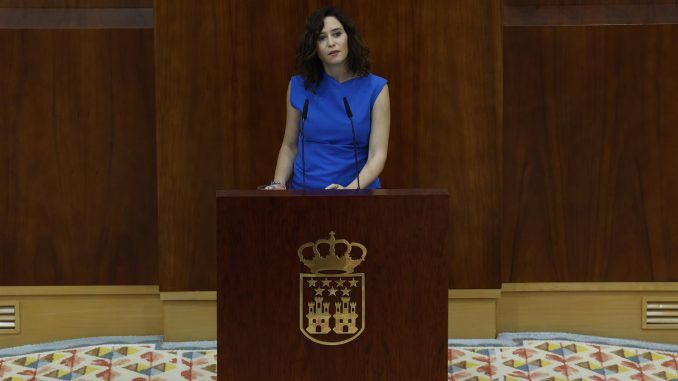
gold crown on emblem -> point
(331, 263)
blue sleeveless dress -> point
(328, 143)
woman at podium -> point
(338, 113)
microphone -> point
(304, 114)
(348, 108)
(355, 149)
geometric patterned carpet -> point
(550, 359)
(561, 360)
(112, 362)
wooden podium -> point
(378, 317)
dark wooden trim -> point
(564, 15)
(76, 3)
(76, 18)
(325, 193)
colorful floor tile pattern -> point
(560, 360)
(110, 362)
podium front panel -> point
(393, 324)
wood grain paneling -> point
(76, 3)
(589, 312)
(458, 126)
(222, 73)
(585, 2)
(81, 18)
(195, 130)
(262, 64)
(593, 14)
(590, 175)
(405, 302)
(70, 312)
(77, 172)
(443, 63)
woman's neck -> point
(340, 73)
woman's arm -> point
(288, 149)
(376, 157)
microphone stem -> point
(303, 154)
(355, 153)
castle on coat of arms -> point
(318, 316)
(344, 317)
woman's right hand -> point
(275, 186)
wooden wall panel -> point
(590, 175)
(262, 64)
(77, 179)
(222, 73)
(443, 63)
(195, 129)
(540, 3)
(458, 123)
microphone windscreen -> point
(348, 108)
(304, 112)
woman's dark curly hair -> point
(309, 65)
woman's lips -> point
(334, 53)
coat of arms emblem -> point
(331, 296)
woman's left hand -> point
(334, 186)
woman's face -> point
(332, 45)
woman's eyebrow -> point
(333, 30)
